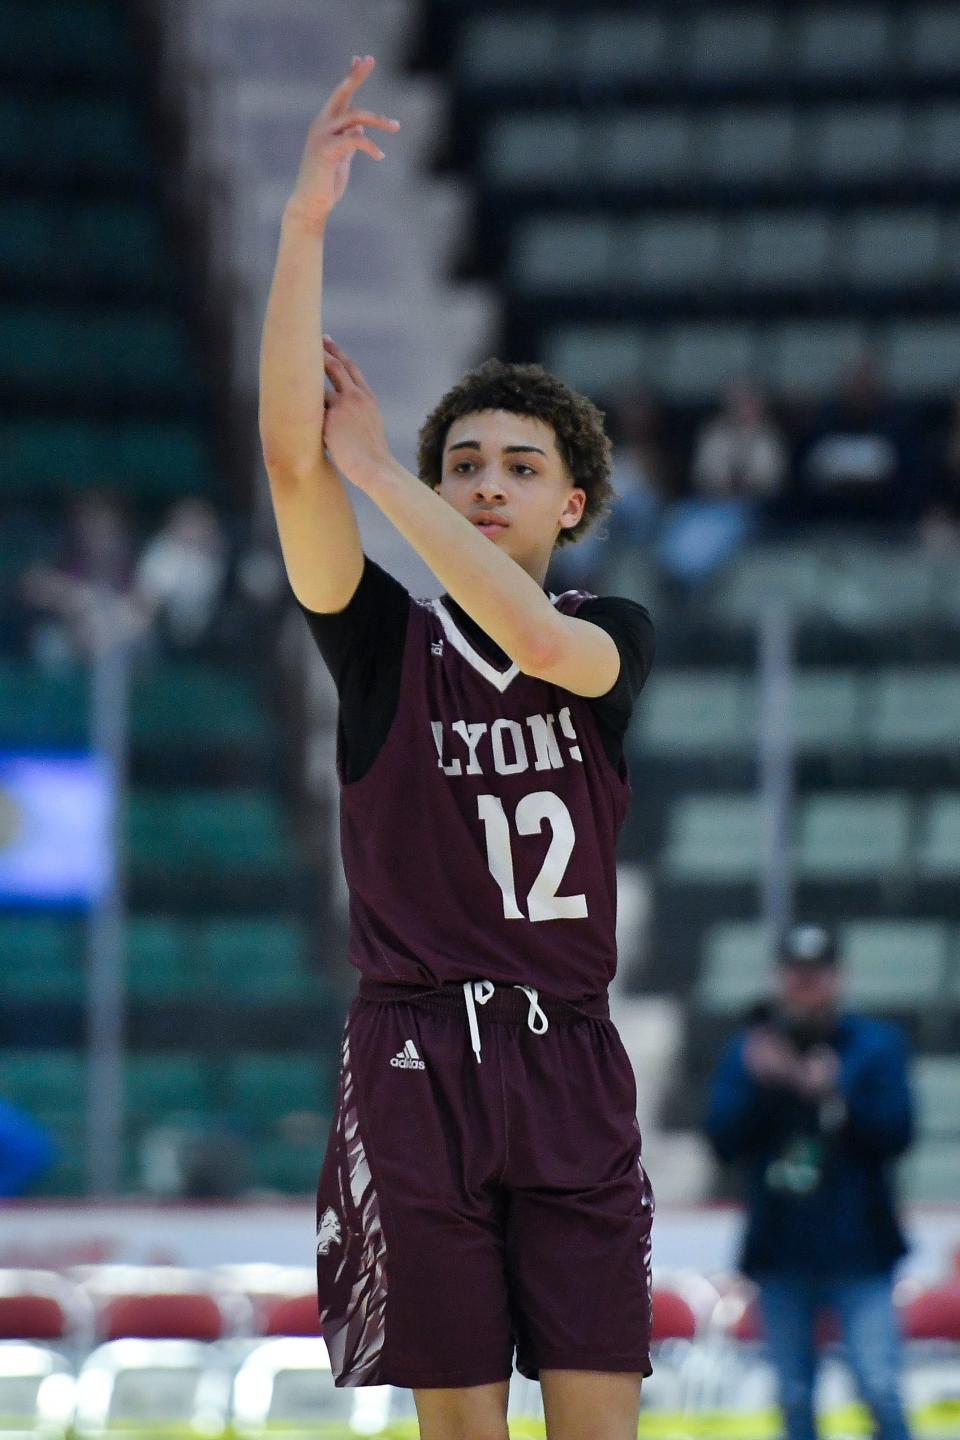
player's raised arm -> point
(318, 531)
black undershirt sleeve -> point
(630, 627)
(362, 647)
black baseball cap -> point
(808, 947)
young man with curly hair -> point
(482, 1192)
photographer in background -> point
(815, 1102)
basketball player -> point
(482, 1191)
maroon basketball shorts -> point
(467, 1211)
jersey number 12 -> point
(543, 902)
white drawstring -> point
(478, 992)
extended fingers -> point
(362, 117)
(354, 139)
(342, 363)
(362, 66)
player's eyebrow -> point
(507, 449)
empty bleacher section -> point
(672, 197)
(107, 387)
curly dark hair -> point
(529, 390)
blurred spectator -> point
(97, 557)
(26, 1151)
(861, 463)
(189, 1158)
(739, 461)
(816, 1103)
(941, 524)
(180, 577)
(740, 452)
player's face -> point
(506, 475)
(809, 992)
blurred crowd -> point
(861, 460)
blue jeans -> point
(868, 1325)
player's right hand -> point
(332, 141)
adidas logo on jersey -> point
(408, 1059)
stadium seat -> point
(913, 711)
(285, 1384)
(771, 249)
(748, 145)
(857, 143)
(69, 354)
(41, 709)
(182, 704)
(937, 1082)
(507, 48)
(161, 460)
(621, 46)
(160, 1084)
(652, 148)
(854, 836)
(255, 959)
(933, 40)
(669, 252)
(700, 359)
(264, 1087)
(884, 249)
(43, 1081)
(735, 966)
(895, 965)
(715, 838)
(36, 1390)
(595, 359)
(937, 142)
(70, 142)
(82, 39)
(41, 1306)
(43, 958)
(827, 712)
(543, 149)
(921, 356)
(788, 574)
(835, 44)
(554, 252)
(933, 1313)
(696, 713)
(733, 45)
(804, 357)
(938, 847)
(285, 1166)
(929, 1172)
(113, 241)
(219, 832)
(160, 960)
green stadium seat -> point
(827, 711)
(560, 251)
(79, 245)
(805, 356)
(897, 965)
(669, 252)
(183, 704)
(41, 958)
(41, 709)
(873, 586)
(595, 359)
(734, 45)
(264, 1087)
(72, 141)
(508, 47)
(933, 40)
(843, 43)
(736, 966)
(938, 848)
(771, 249)
(699, 713)
(714, 838)
(542, 149)
(291, 1169)
(929, 1173)
(255, 959)
(937, 141)
(747, 145)
(886, 249)
(620, 47)
(648, 149)
(854, 836)
(69, 353)
(160, 1084)
(858, 143)
(44, 1082)
(700, 359)
(42, 458)
(160, 960)
(229, 832)
(936, 1080)
(922, 356)
(791, 574)
(913, 711)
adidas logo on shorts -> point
(408, 1059)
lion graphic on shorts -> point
(328, 1231)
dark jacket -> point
(847, 1223)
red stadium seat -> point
(294, 1315)
(673, 1317)
(40, 1306)
(934, 1314)
(162, 1317)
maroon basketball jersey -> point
(480, 844)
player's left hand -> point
(353, 433)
